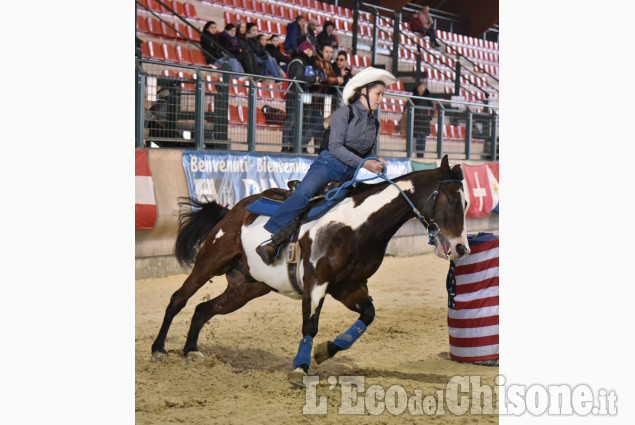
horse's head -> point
(447, 214)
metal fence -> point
(203, 108)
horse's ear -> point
(445, 165)
(457, 172)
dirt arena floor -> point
(243, 377)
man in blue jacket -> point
(294, 33)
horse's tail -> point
(196, 220)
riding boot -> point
(268, 252)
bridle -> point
(428, 224)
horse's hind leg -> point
(206, 266)
(358, 301)
(238, 293)
(177, 301)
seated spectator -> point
(341, 68)
(423, 23)
(247, 56)
(294, 33)
(327, 35)
(227, 39)
(257, 44)
(310, 36)
(273, 47)
(210, 44)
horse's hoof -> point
(194, 356)
(158, 357)
(321, 353)
(295, 377)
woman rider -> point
(348, 144)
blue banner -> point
(228, 177)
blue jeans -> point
(234, 65)
(312, 126)
(420, 144)
(270, 65)
(326, 168)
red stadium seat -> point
(181, 30)
(168, 73)
(154, 26)
(190, 11)
(197, 56)
(238, 88)
(183, 55)
(233, 115)
(260, 118)
(155, 51)
(152, 5)
(145, 52)
(142, 24)
(188, 87)
(192, 34)
(168, 29)
(169, 53)
(177, 6)
(210, 87)
(388, 127)
(277, 93)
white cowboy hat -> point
(366, 76)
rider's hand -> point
(375, 166)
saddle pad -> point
(264, 206)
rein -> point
(433, 196)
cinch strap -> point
(304, 352)
(345, 340)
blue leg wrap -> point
(345, 340)
(304, 352)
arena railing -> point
(194, 107)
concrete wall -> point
(154, 248)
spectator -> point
(227, 39)
(301, 68)
(162, 115)
(313, 117)
(210, 44)
(327, 36)
(247, 56)
(323, 60)
(311, 37)
(423, 115)
(423, 23)
(341, 68)
(294, 33)
(273, 47)
(266, 63)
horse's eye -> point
(452, 201)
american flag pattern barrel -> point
(472, 285)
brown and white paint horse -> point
(339, 252)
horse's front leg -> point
(312, 301)
(359, 301)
